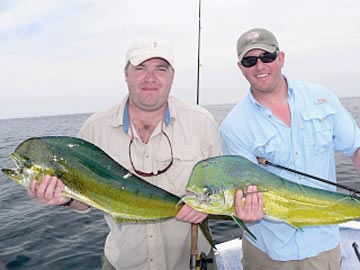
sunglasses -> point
(251, 61)
(148, 174)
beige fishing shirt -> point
(194, 136)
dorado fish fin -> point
(207, 233)
(242, 225)
(297, 225)
(120, 219)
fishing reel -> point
(200, 262)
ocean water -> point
(38, 237)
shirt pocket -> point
(180, 155)
(270, 145)
(318, 129)
(176, 178)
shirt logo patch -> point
(320, 100)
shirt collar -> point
(126, 121)
(291, 88)
(291, 93)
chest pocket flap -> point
(318, 127)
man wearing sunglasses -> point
(297, 125)
(160, 139)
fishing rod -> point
(265, 162)
(194, 227)
(356, 250)
(197, 262)
(198, 60)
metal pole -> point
(198, 62)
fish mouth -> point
(9, 172)
(191, 193)
(14, 174)
(197, 196)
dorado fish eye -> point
(208, 192)
(26, 163)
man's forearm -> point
(79, 206)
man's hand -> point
(253, 207)
(189, 214)
(48, 192)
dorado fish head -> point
(209, 200)
(25, 170)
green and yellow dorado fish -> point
(92, 177)
(214, 181)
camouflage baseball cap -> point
(257, 38)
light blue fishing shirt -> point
(320, 125)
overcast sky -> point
(67, 56)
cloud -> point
(60, 57)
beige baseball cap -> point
(257, 38)
(149, 47)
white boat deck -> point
(229, 254)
